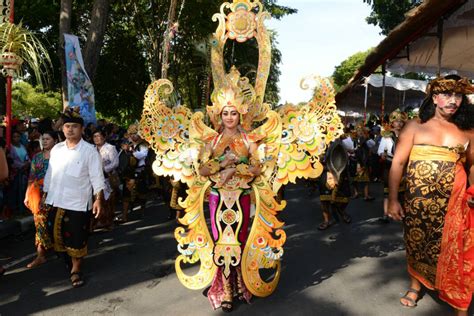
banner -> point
(80, 90)
(5, 11)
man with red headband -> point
(435, 151)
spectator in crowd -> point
(386, 150)
(362, 153)
(39, 166)
(19, 166)
(140, 153)
(3, 176)
(110, 163)
(126, 171)
(334, 187)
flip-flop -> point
(227, 306)
(325, 225)
(412, 302)
(76, 279)
(346, 218)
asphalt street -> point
(349, 269)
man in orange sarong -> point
(435, 151)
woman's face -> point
(48, 142)
(230, 117)
(99, 140)
(16, 137)
(397, 125)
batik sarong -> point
(70, 231)
(438, 225)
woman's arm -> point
(3, 165)
(470, 157)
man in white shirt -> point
(74, 174)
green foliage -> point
(28, 101)
(344, 72)
(23, 43)
(387, 14)
(131, 56)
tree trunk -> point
(167, 40)
(95, 36)
(64, 27)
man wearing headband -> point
(74, 175)
(435, 151)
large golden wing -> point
(195, 243)
(306, 132)
(167, 131)
(264, 246)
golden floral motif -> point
(241, 25)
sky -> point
(318, 38)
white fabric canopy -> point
(457, 48)
(401, 84)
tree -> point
(34, 102)
(344, 72)
(132, 46)
(387, 14)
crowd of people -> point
(69, 160)
(362, 155)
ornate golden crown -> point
(398, 115)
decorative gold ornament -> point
(289, 142)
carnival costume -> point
(438, 224)
(289, 147)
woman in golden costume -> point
(229, 155)
(250, 149)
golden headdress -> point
(397, 115)
(132, 129)
(361, 128)
(236, 92)
(441, 84)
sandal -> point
(227, 306)
(76, 279)
(411, 302)
(346, 218)
(36, 262)
(324, 225)
(119, 220)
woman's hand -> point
(226, 175)
(395, 210)
(229, 159)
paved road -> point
(355, 269)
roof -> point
(418, 22)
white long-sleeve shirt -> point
(386, 145)
(140, 153)
(109, 157)
(73, 175)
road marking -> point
(17, 261)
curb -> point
(16, 226)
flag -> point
(80, 89)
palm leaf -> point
(16, 39)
